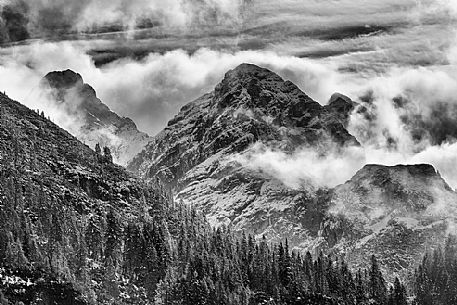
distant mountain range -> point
(201, 156)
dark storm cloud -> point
(59, 18)
(14, 22)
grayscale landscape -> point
(228, 152)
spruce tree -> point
(377, 286)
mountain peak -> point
(63, 79)
(251, 104)
(386, 206)
(425, 170)
(415, 185)
(415, 174)
(84, 96)
(98, 124)
(250, 70)
(252, 87)
(340, 99)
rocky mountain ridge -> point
(398, 211)
(77, 229)
(65, 214)
(95, 122)
(197, 155)
(193, 154)
(250, 104)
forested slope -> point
(77, 229)
(68, 217)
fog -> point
(405, 80)
(420, 129)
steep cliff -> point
(94, 121)
(196, 154)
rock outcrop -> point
(395, 212)
(196, 153)
(94, 121)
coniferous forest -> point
(435, 280)
(219, 268)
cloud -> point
(406, 116)
(409, 116)
(407, 107)
(152, 90)
(304, 167)
(307, 167)
(408, 112)
(59, 17)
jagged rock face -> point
(379, 211)
(340, 107)
(65, 216)
(97, 123)
(396, 213)
(194, 153)
(251, 104)
(412, 187)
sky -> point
(148, 58)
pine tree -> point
(98, 150)
(435, 280)
(377, 286)
(107, 155)
(398, 293)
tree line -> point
(216, 266)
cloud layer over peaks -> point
(59, 17)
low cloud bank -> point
(308, 167)
(304, 167)
(407, 115)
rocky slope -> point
(194, 153)
(95, 122)
(77, 229)
(69, 219)
(396, 212)
(381, 210)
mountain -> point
(196, 153)
(398, 212)
(77, 229)
(95, 122)
(68, 217)
(201, 156)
